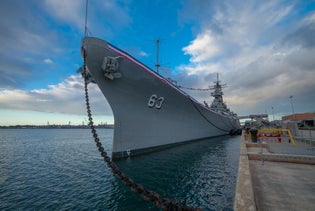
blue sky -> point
(263, 50)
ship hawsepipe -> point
(150, 112)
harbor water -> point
(61, 169)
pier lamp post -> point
(273, 114)
(291, 100)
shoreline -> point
(109, 126)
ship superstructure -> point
(218, 103)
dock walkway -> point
(280, 178)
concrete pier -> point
(275, 180)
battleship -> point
(150, 112)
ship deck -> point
(275, 176)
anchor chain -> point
(162, 203)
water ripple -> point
(59, 169)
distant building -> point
(302, 126)
(300, 117)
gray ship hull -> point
(149, 112)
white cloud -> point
(262, 61)
(143, 54)
(200, 68)
(65, 97)
(110, 13)
(48, 61)
(264, 51)
(202, 48)
(70, 11)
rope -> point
(162, 203)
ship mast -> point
(157, 65)
(86, 15)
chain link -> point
(155, 198)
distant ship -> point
(150, 112)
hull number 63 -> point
(155, 101)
